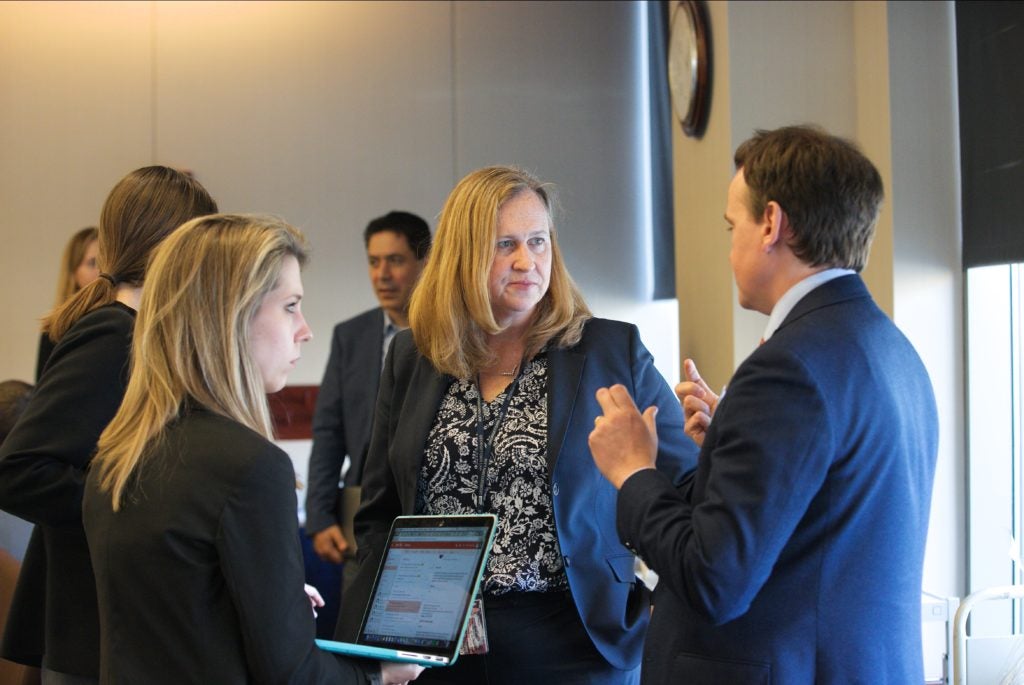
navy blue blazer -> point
(613, 605)
(795, 553)
(344, 414)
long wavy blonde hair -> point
(191, 341)
(450, 310)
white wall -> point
(928, 284)
(328, 114)
(806, 82)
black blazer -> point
(43, 355)
(200, 573)
(344, 413)
(42, 472)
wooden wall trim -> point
(291, 410)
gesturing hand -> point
(623, 441)
(699, 403)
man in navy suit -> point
(396, 251)
(794, 552)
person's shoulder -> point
(113, 317)
(601, 332)
(370, 317)
(221, 428)
(224, 439)
(404, 344)
(230, 454)
(597, 324)
(104, 333)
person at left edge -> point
(485, 405)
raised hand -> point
(699, 402)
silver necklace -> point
(510, 373)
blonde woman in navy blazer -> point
(499, 330)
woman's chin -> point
(277, 385)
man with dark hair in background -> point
(396, 250)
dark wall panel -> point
(990, 68)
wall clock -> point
(689, 68)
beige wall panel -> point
(327, 114)
(74, 118)
(791, 63)
(703, 170)
(874, 134)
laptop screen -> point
(426, 582)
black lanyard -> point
(484, 449)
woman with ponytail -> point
(53, 618)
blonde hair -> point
(191, 341)
(140, 211)
(450, 311)
(74, 253)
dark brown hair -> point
(828, 189)
(141, 210)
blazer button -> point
(554, 489)
(568, 562)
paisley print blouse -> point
(525, 556)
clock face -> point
(682, 62)
(688, 69)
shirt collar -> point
(796, 293)
(389, 326)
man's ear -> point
(775, 226)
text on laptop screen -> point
(424, 586)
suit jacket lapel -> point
(378, 338)
(426, 387)
(565, 370)
(367, 344)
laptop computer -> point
(423, 594)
